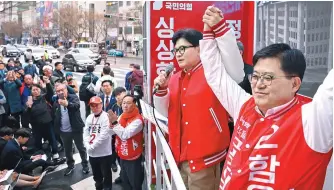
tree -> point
(6, 5)
(99, 27)
(12, 29)
(72, 22)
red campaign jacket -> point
(131, 148)
(259, 158)
(204, 121)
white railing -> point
(164, 158)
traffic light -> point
(107, 16)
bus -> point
(89, 45)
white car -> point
(94, 56)
(37, 53)
(53, 52)
(21, 47)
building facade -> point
(307, 26)
(126, 30)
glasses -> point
(181, 49)
(265, 79)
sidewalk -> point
(130, 55)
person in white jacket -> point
(97, 139)
(106, 72)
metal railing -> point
(164, 159)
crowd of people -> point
(40, 117)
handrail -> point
(164, 157)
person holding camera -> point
(72, 82)
(69, 124)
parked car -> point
(12, 51)
(94, 56)
(21, 47)
(52, 52)
(115, 52)
(77, 61)
(37, 54)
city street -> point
(77, 180)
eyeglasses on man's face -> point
(181, 49)
(265, 79)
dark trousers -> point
(25, 120)
(28, 168)
(78, 140)
(114, 155)
(44, 130)
(101, 172)
(132, 174)
(87, 107)
(17, 117)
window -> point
(316, 37)
(120, 3)
(120, 30)
(128, 30)
(312, 37)
(128, 3)
(321, 36)
(137, 30)
(324, 60)
(308, 37)
(317, 24)
(316, 49)
(308, 50)
(320, 48)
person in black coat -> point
(6, 134)
(12, 156)
(69, 124)
(57, 72)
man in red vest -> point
(281, 139)
(129, 143)
(197, 122)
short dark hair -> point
(90, 68)
(136, 66)
(112, 73)
(12, 123)
(132, 64)
(110, 82)
(107, 63)
(57, 63)
(191, 35)
(36, 85)
(292, 60)
(118, 91)
(6, 131)
(106, 70)
(129, 95)
(22, 132)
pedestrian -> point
(12, 91)
(276, 128)
(85, 94)
(178, 94)
(128, 74)
(106, 75)
(136, 78)
(129, 143)
(31, 69)
(72, 82)
(97, 136)
(2, 108)
(68, 123)
(58, 71)
(119, 93)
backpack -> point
(84, 94)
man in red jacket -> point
(198, 130)
(282, 140)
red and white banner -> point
(166, 17)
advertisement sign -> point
(166, 17)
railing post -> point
(158, 160)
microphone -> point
(169, 69)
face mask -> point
(30, 63)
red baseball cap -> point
(95, 100)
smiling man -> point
(282, 140)
(198, 130)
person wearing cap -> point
(69, 124)
(72, 82)
(136, 78)
(97, 138)
(31, 69)
(41, 63)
